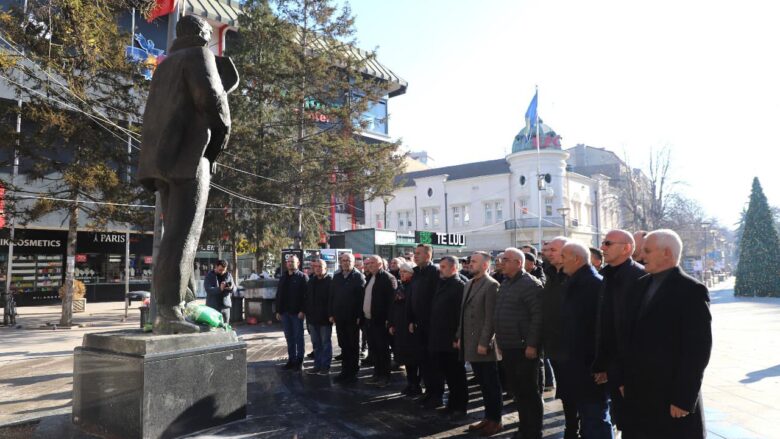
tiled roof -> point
(223, 11)
(458, 172)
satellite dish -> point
(547, 178)
(522, 180)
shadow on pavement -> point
(758, 375)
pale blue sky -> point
(701, 77)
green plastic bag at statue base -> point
(206, 315)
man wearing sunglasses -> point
(620, 276)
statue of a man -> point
(186, 125)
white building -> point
(499, 203)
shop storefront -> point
(39, 264)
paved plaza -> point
(741, 386)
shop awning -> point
(223, 11)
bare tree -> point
(644, 197)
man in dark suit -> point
(219, 286)
(290, 299)
(186, 127)
(377, 298)
(418, 306)
(620, 276)
(345, 310)
(443, 356)
(579, 311)
(668, 348)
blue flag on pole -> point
(530, 115)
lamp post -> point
(563, 211)
(386, 199)
(706, 225)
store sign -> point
(114, 238)
(147, 259)
(81, 258)
(443, 239)
(44, 243)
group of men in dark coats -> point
(628, 345)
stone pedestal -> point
(132, 384)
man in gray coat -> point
(518, 323)
(186, 126)
(475, 340)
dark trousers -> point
(348, 334)
(594, 419)
(447, 367)
(571, 418)
(412, 374)
(616, 408)
(321, 341)
(293, 334)
(487, 377)
(379, 347)
(522, 377)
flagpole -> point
(538, 169)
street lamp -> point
(563, 211)
(386, 199)
(706, 225)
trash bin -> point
(236, 309)
(144, 315)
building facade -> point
(39, 257)
(527, 197)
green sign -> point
(440, 239)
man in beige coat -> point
(475, 340)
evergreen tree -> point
(758, 271)
(65, 60)
(297, 124)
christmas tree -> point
(758, 271)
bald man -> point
(579, 311)
(620, 276)
(668, 348)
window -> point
(404, 220)
(523, 206)
(401, 222)
(426, 217)
(548, 206)
(435, 215)
(499, 211)
(379, 221)
(466, 215)
(456, 215)
(488, 213)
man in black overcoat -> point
(668, 347)
(579, 311)
(444, 359)
(418, 305)
(345, 309)
(377, 299)
(620, 276)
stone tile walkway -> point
(741, 387)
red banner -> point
(162, 7)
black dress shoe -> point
(339, 357)
(310, 355)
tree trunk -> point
(67, 300)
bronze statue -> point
(186, 125)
